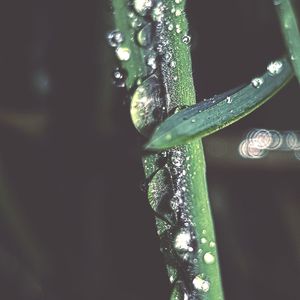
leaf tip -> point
(158, 142)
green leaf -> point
(220, 111)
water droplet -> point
(228, 100)
(151, 61)
(136, 23)
(201, 284)
(212, 244)
(144, 36)
(183, 241)
(178, 28)
(275, 67)
(167, 57)
(178, 12)
(177, 159)
(115, 38)
(146, 105)
(168, 137)
(173, 64)
(160, 48)
(203, 240)
(142, 6)
(257, 82)
(170, 27)
(186, 39)
(209, 258)
(178, 1)
(123, 53)
(158, 12)
(193, 121)
(119, 77)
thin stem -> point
(177, 190)
(290, 30)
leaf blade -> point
(220, 111)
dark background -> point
(74, 223)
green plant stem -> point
(185, 224)
(290, 30)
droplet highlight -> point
(115, 38)
(142, 6)
(209, 258)
(201, 284)
(119, 77)
(275, 67)
(146, 105)
(257, 82)
(123, 53)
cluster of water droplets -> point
(167, 186)
(115, 39)
(168, 190)
(274, 68)
(150, 21)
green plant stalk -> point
(290, 30)
(185, 227)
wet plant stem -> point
(177, 188)
(290, 30)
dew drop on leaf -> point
(212, 244)
(146, 105)
(142, 6)
(203, 240)
(183, 243)
(144, 36)
(178, 12)
(201, 284)
(115, 38)
(178, 28)
(173, 64)
(158, 12)
(123, 53)
(257, 82)
(209, 258)
(186, 39)
(170, 27)
(275, 67)
(135, 20)
(228, 100)
(151, 61)
(119, 77)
